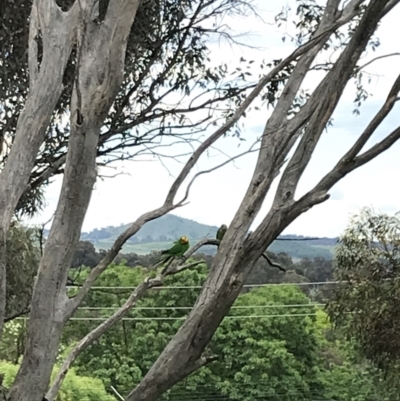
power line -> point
(191, 307)
(305, 239)
(187, 287)
(184, 317)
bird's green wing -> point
(185, 248)
(220, 233)
(167, 251)
(176, 250)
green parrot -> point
(221, 232)
(178, 249)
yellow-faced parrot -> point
(221, 232)
(178, 249)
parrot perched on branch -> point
(221, 232)
(178, 249)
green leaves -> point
(23, 257)
(272, 345)
(366, 301)
(270, 355)
(74, 387)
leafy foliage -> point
(22, 263)
(366, 302)
(168, 76)
(266, 347)
(343, 375)
(13, 341)
(74, 387)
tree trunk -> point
(45, 90)
(50, 304)
(97, 83)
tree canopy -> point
(366, 301)
(166, 60)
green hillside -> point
(158, 234)
(164, 229)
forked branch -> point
(333, 83)
(352, 159)
(176, 266)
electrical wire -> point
(308, 305)
(188, 287)
(184, 317)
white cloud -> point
(215, 197)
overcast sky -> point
(215, 197)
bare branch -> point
(375, 59)
(181, 268)
(376, 121)
(273, 264)
(274, 153)
(117, 393)
(34, 31)
(57, 163)
(17, 314)
(350, 161)
(231, 159)
(201, 243)
(321, 112)
(389, 6)
(114, 250)
(98, 332)
(200, 362)
(249, 99)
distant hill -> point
(158, 234)
(164, 229)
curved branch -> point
(243, 107)
(375, 59)
(250, 150)
(273, 264)
(351, 160)
(148, 283)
